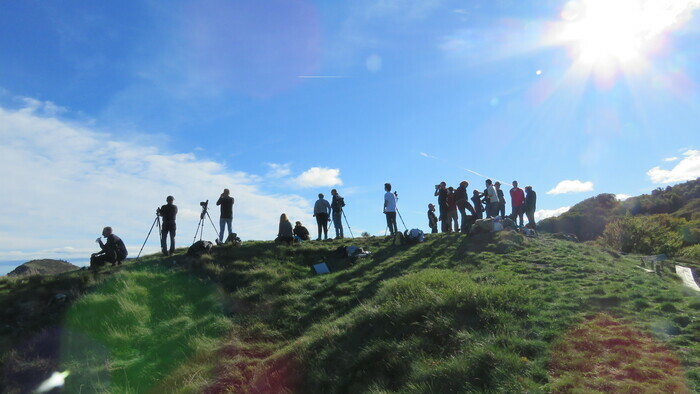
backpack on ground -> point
(233, 239)
(414, 236)
(199, 248)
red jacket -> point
(517, 196)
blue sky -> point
(106, 108)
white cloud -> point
(571, 186)
(63, 182)
(548, 213)
(278, 170)
(318, 176)
(686, 169)
(622, 197)
(669, 159)
(427, 155)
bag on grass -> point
(414, 236)
(199, 248)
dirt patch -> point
(608, 354)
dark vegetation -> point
(43, 267)
(493, 312)
(665, 221)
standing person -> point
(441, 193)
(517, 199)
(113, 251)
(463, 205)
(452, 209)
(321, 211)
(168, 212)
(501, 199)
(478, 208)
(432, 219)
(390, 209)
(226, 217)
(285, 234)
(492, 206)
(530, 205)
(301, 232)
(337, 204)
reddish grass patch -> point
(609, 355)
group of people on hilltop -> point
(489, 203)
(452, 203)
(324, 212)
(114, 251)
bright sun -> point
(618, 33)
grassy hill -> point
(495, 312)
(43, 267)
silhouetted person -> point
(113, 251)
(226, 217)
(337, 204)
(390, 209)
(285, 234)
(501, 199)
(432, 219)
(517, 199)
(301, 232)
(463, 205)
(321, 211)
(492, 206)
(476, 202)
(441, 193)
(168, 212)
(530, 206)
(452, 210)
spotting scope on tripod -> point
(200, 225)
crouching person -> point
(285, 234)
(301, 233)
(113, 251)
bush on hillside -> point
(644, 234)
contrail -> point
(445, 161)
(322, 76)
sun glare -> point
(618, 34)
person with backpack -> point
(390, 209)
(301, 233)
(321, 211)
(337, 204)
(432, 219)
(113, 251)
(517, 199)
(168, 213)
(285, 234)
(476, 202)
(226, 217)
(529, 206)
(501, 199)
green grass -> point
(454, 314)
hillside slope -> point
(43, 267)
(588, 218)
(494, 312)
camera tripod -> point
(346, 222)
(200, 225)
(157, 220)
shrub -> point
(643, 234)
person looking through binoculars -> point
(168, 213)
